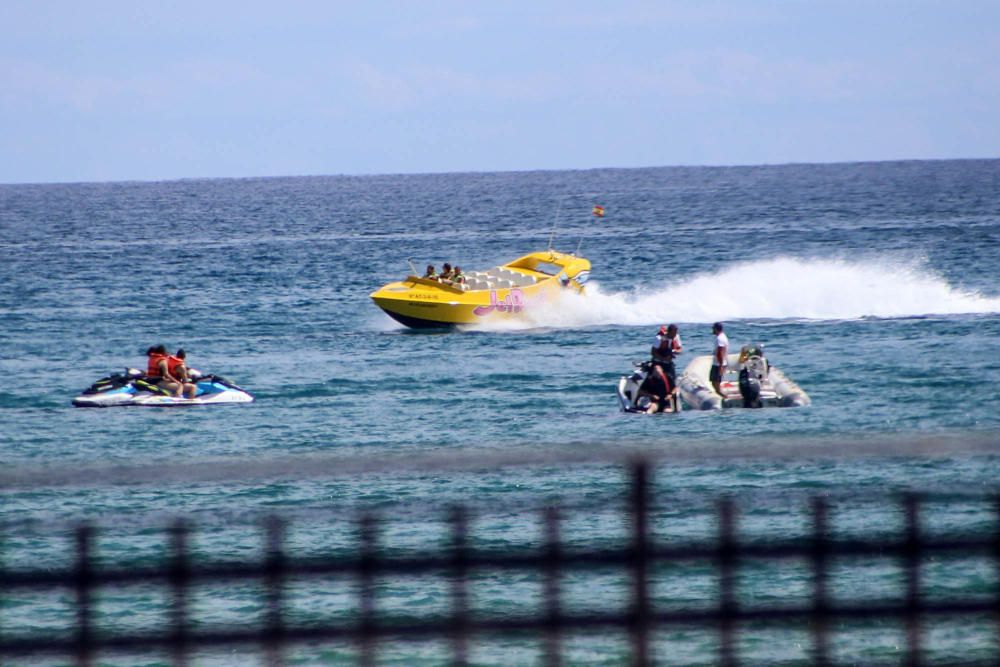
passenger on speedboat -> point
(446, 274)
(457, 277)
(431, 273)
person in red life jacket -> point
(665, 348)
(158, 370)
(177, 367)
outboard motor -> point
(749, 389)
(753, 372)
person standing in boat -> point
(665, 348)
(720, 358)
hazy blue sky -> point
(94, 91)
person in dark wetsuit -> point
(660, 390)
(665, 348)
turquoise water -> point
(875, 286)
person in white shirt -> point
(719, 358)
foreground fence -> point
(725, 619)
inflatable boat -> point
(751, 382)
(133, 388)
(503, 291)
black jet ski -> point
(133, 388)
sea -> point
(874, 286)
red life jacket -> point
(153, 369)
(173, 363)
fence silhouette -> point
(728, 618)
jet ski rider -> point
(660, 390)
(158, 369)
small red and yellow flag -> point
(598, 211)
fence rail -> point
(640, 558)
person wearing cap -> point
(720, 358)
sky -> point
(158, 90)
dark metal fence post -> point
(640, 564)
(274, 570)
(3, 589)
(727, 584)
(84, 584)
(996, 564)
(366, 630)
(179, 577)
(821, 603)
(553, 555)
(459, 590)
(911, 560)
(635, 558)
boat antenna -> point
(413, 269)
(554, 223)
(577, 253)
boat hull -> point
(695, 388)
(132, 390)
(503, 292)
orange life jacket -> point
(173, 363)
(153, 369)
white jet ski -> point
(751, 382)
(133, 388)
(632, 390)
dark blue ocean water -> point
(875, 286)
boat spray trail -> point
(778, 288)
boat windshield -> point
(548, 268)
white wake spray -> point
(780, 288)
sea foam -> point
(778, 288)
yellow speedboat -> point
(501, 292)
